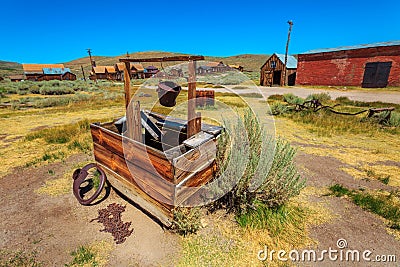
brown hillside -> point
(251, 63)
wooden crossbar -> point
(163, 59)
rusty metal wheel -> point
(79, 177)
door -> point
(376, 74)
(277, 77)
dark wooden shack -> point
(272, 72)
(374, 65)
(16, 78)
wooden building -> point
(236, 67)
(137, 71)
(111, 73)
(217, 66)
(33, 71)
(99, 73)
(119, 68)
(16, 78)
(175, 72)
(49, 74)
(371, 65)
(272, 71)
(202, 70)
(150, 71)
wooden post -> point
(287, 50)
(127, 84)
(83, 72)
(192, 127)
(134, 122)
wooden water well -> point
(156, 174)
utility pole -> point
(90, 56)
(287, 50)
(92, 64)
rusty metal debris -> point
(110, 217)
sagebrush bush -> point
(292, 99)
(269, 175)
(56, 90)
(186, 220)
(278, 109)
(322, 97)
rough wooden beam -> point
(127, 84)
(133, 122)
(162, 59)
(192, 128)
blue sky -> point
(59, 31)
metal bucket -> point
(168, 92)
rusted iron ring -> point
(79, 177)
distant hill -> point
(251, 63)
(9, 68)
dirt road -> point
(366, 96)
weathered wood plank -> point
(133, 122)
(198, 139)
(153, 185)
(191, 119)
(135, 194)
(193, 160)
(192, 184)
(162, 59)
(162, 119)
(137, 153)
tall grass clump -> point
(60, 134)
(394, 119)
(261, 169)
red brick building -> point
(372, 65)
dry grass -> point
(361, 151)
(224, 243)
(14, 126)
(95, 254)
(60, 185)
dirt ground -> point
(361, 229)
(55, 226)
(366, 96)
